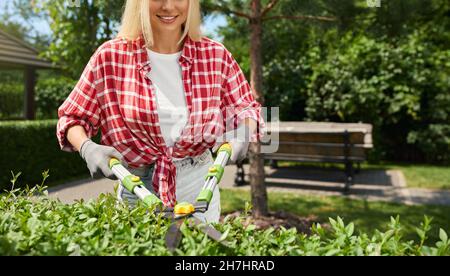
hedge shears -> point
(184, 211)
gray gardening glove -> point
(239, 140)
(97, 159)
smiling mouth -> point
(167, 18)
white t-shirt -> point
(166, 76)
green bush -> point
(401, 87)
(36, 225)
(11, 100)
(396, 77)
(31, 147)
(50, 94)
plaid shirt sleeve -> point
(238, 100)
(80, 107)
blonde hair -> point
(136, 22)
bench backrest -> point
(333, 142)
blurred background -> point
(387, 65)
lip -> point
(167, 21)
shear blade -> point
(208, 230)
(173, 236)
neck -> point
(166, 42)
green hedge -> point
(32, 225)
(11, 100)
(31, 147)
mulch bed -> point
(278, 219)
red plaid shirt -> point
(115, 94)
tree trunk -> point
(258, 188)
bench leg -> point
(273, 164)
(239, 179)
(358, 167)
(348, 176)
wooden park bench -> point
(346, 143)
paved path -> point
(82, 189)
(369, 185)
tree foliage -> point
(77, 31)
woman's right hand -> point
(97, 159)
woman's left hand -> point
(239, 140)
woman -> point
(162, 96)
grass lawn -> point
(366, 215)
(417, 176)
(420, 176)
